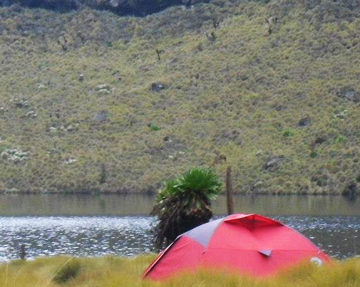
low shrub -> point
(68, 271)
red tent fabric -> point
(248, 243)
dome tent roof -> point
(247, 243)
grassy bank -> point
(91, 101)
(112, 271)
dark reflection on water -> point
(140, 204)
(127, 236)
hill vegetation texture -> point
(91, 101)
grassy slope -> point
(241, 96)
(110, 271)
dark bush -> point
(68, 271)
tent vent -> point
(265, 252)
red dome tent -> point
(248, 243)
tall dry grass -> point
(114, 271)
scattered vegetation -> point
(184, 203)
(287, 133)
(112, 271)
(78, 90)
(153, 127)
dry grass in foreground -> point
(113, 271)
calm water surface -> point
(119, 225)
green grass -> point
(195, 184)
(113, 271)
(240, 96)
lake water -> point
(85, 225)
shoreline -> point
(150, 192)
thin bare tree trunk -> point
(229, 192)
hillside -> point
(94, 101)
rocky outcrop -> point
(349, 94)
(64, 5)
(14, 155)
(122, 7)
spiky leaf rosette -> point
(184, 203)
